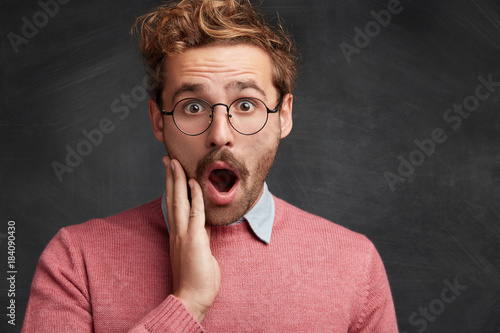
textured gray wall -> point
(363, 106)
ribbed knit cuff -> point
(170, 316)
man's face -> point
(230, 167)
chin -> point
(224, 215)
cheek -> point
(260, 148)
(185, 149)
(274, 126)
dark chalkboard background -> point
(354, 124)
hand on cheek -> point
(196, 273)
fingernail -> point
(165, 161)
(172, 165)
(191, 184)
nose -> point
(220, 133)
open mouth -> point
(222, 182)
(222, 179)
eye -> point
(245, 106)
(193, 108)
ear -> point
(156, 120)
(286, 120)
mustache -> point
(222, 156)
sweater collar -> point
(260, 217)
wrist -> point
(197, 310)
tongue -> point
(222, 179)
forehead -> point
(216, 67)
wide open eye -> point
(194, 107)
(246, 106)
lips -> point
(222, 182)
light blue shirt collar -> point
(260, 217)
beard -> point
(250, 188)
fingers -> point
(180, 213)
(180, 203)
(169, 192)
(197, 214)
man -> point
(217, 252)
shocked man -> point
(217, 252)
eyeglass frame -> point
(212, 108)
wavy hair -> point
(175, 27)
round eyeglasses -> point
(193, 116)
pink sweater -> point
(113, 275)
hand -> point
(195, 271)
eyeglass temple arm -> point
(277, 107)
(163, 112)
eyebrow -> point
(234, 85)
(187, 87)
(247, 84)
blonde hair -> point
(175, 27)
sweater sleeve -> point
(169, 316)
(377, 315)
(60, 298)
